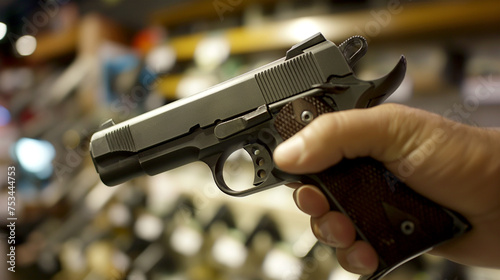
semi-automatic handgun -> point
(259, 110)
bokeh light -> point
(3, 30)
(35, 156)
(26, 45)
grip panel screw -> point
(307, 116)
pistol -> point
(259, 110)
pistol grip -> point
(398, 222)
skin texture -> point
(455, 165)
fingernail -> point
(296, 197)
(325, 234)
(290, 151)
(354, 261)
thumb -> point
(385, 133)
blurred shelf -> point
(441, 19)
(53, 45)
(188, 11)
(85, 36)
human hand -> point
(455, 165)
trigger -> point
(262, 162)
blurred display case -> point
(92, 62)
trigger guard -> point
(216, 164)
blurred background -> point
(66, 66)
